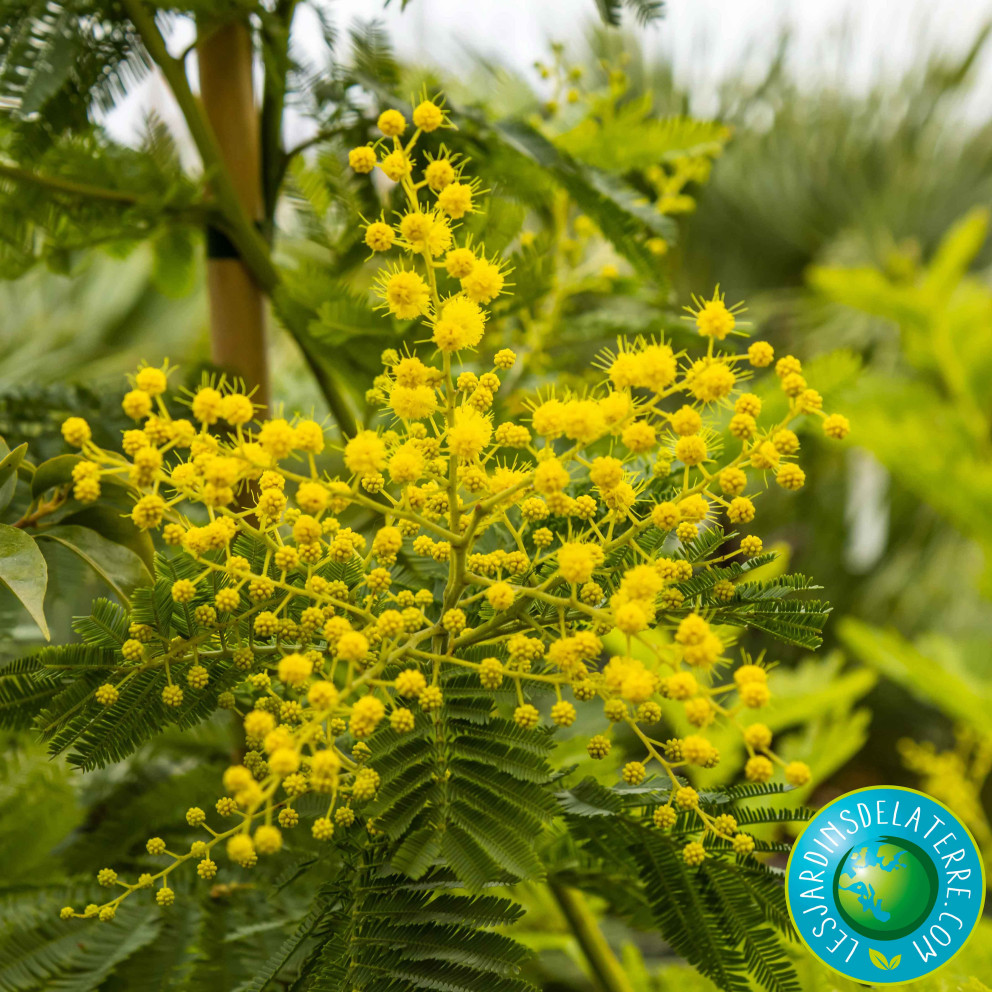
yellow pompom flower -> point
(413, 402)
(500, 595)
(714, 319)
(364, 453)
(76, 431)
(295, 669)
(760, 354)
(268, 839)
(694, 853)
(640, 436)
(240, 849)
(459, 262)
(391, 123)
(656, 367)
(405, 294)
(466, 317)
(323, 695)
(428, 116)
(379, 236)
(137, 404)
(362, 159)
(151, 380)
(469, 433)
(690, 450)
(207, 405)
(237, 409)
(396, 165)
(576, 562)
(455, 199)
(836, 426)
(439, 173)
(366, 715)
(484, 281)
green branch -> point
(606, 969)
(59, 185)
(193, 213)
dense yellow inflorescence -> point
(587, 507)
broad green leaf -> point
(116, 527)
(24, 571)
(10, 461)
(8, 473)
(117, 565)
(54, 472)
(956, 253)
(10, 484)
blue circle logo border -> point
(875, 976)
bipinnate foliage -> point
(727, 918)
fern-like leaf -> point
(465, 787)
(379, 932)
(725, 918)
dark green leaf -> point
(24, 571)
(116, 564)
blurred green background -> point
(852, 219)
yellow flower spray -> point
(589, 511)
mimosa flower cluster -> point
(561, 548)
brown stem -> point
(237, 302)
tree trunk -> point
(237, 304)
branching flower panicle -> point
(579, 549)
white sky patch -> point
(851, 42)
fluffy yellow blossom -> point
(391, 123)
(364, 453)
(362, 159)
(406, 294)
(428, 116)
(576, 562)
(455, 199)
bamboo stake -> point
(237, 302)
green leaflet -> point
(203, 944)
(53, 687)
(38, 951)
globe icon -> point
(885, 887)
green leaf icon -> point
(878, 959)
